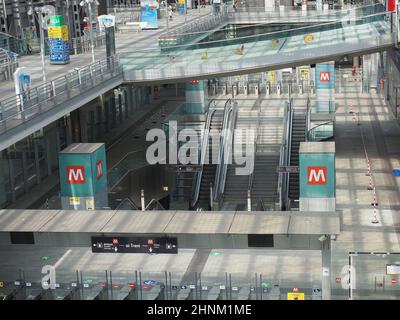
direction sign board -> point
(393, 269)
(134, 245)
(288, 169)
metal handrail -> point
(129, 200)
(156, 202)
(272, 33)
(308, 114)
(288, 151)
(318, 126)
(31, 101)
(228, 113)
(222, 170)
(203, 151)
(250, 184)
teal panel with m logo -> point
(317, 175)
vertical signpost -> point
(148, 14)
(83, 176)
(317, 193)
(58, 40)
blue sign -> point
(325, 76)
(149, 282)
(149, 15)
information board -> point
(134, 245)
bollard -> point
(256, 90)
(245, 90)
(234, 91)
(223, 90)
(278, 89)
(267, 89)
(248, 201)
(142, 203)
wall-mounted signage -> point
(134, 245)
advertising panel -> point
(105, 21)
(148, 14)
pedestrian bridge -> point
(276, 50)
(21, 116)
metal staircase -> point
(298, 134)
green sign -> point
(57, 21)
(45, 258)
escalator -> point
(210, 167)
(298, 134)
(264, 181)
(236, 186)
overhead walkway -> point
(317, 43)
(276, 50)
(22, 115)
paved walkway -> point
(381, 135)
(124, 41)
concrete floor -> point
(381, 135)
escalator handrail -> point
(289, 150)
(320, 125)
(156, 202)
(219, 174)
(250, 184)
(283, 155)
(204, 145)
(224, 166)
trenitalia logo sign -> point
(324, 76)
(76, 174)
(316, 175)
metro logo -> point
(324, 76)
(194, 81)
(99, 169)
(76, 174)
(316, 175)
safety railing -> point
(197, 56)
(8, 63)
(324, 131)
(190, 32)
(34, 101)
(131, 161)
(225, 150)
(126, 204)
